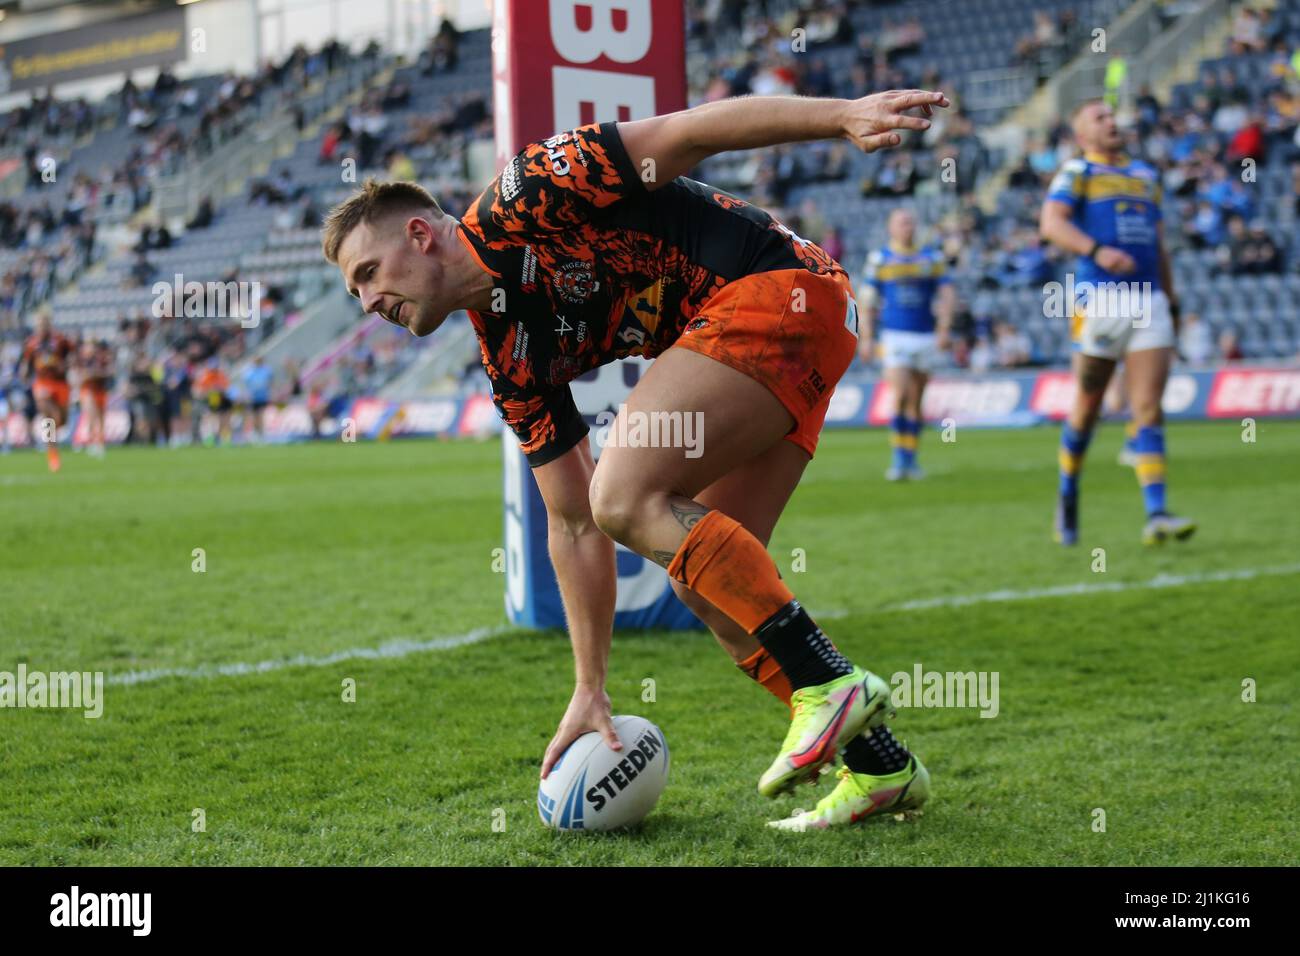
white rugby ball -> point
(594, 788)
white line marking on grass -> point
(1072, 590)
(401, 647)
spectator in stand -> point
(202, 216)
(838, 164)
(1194, 340)
(400, 167)
(1247, 32)
(1012, 348)
(1255, 253)
(329, 144)
(1025, 264)
(1229, 346)
(443, 53)
(142, 271)
(817, 79)
(1204, 229)
(1228, 193)
(982, 354)
(833, 244)
(897, 176)
(1247, 141)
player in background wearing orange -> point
(212, 388)
(96, 364)
(45, 364)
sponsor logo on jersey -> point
(511, 181)
(555, 150)
(813, 387)
(521, 343)
(528, 280)
(696, 324)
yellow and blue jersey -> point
(1117, 205)
(906, 281)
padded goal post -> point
(557, 64)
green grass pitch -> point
(1128, 699)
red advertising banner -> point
(1255, 391)
(557, 64)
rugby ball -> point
(594, 788)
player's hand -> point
(1115, 260)
(869, 122)
(942, 341)
(588, 710)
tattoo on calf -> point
(687, 513)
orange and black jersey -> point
(97, 369)
(47, 356)
(590, 267)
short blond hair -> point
(372, 202)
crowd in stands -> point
(170, 365)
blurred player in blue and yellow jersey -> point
(906, 288)
(1105, 208)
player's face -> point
(394, 269)
(1097, 130)
(902, 227)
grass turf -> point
(1127, 700)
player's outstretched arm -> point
(583, 558)
(665, 147)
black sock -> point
(805, 654)
(877, 754)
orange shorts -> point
(793, 331)
(98, 396)
(51, 388)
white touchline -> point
(401, 647)
(1068, 590)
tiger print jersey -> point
(589, 266)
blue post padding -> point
(645, 596)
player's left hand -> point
(869, 122)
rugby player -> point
(907, 288)
(96, 362)
(45, 365)
(1105, 208)
(593, 246)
